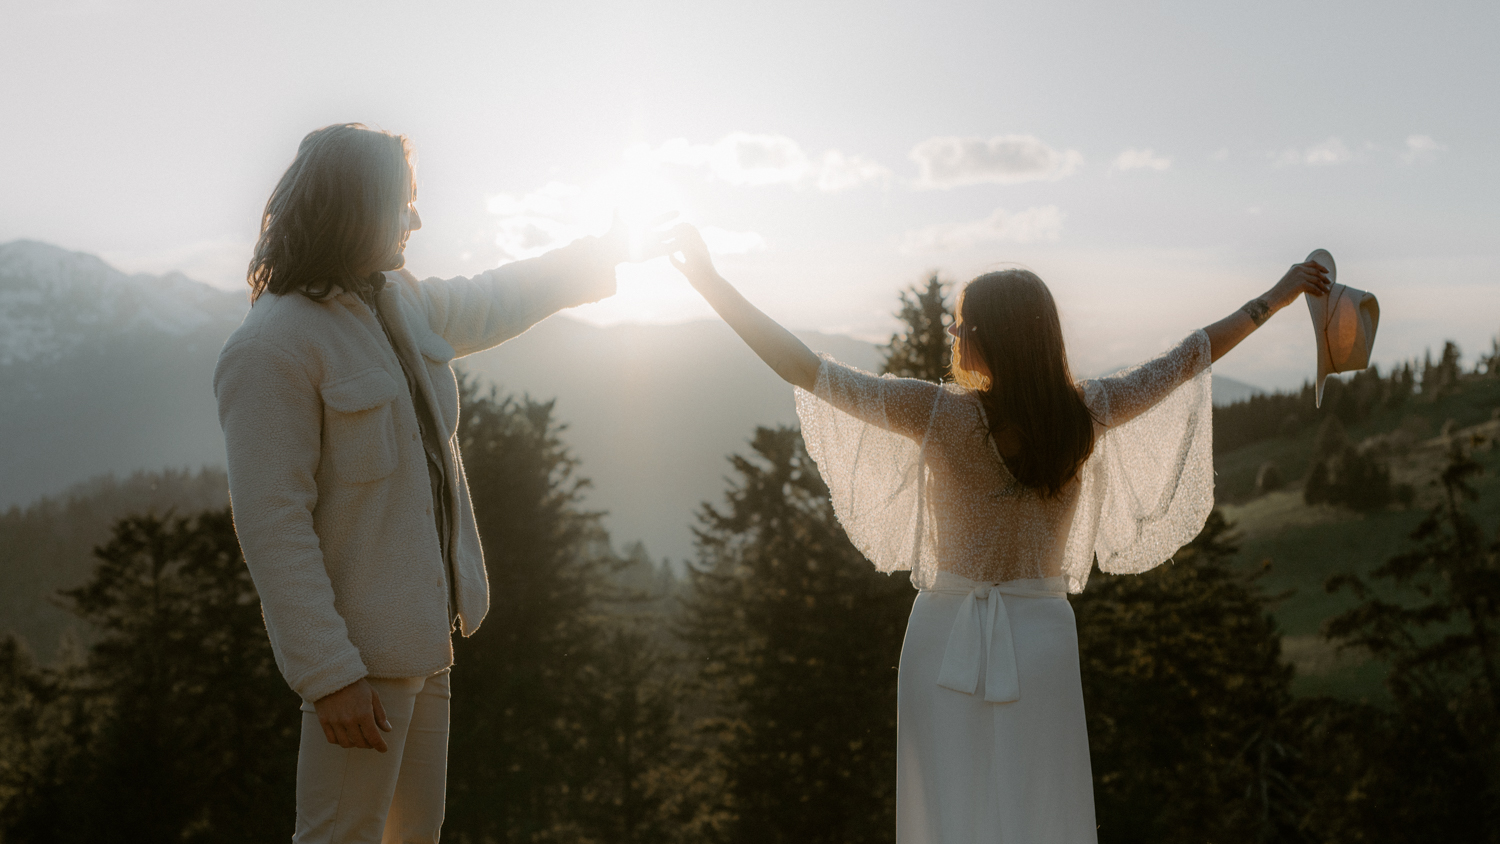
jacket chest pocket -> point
(359, 426)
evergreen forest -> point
(1322, 664)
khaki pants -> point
(365, 796)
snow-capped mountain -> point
(52, 301)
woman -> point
(340, 412)
(997, 492)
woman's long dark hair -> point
(335, 216)
(1008, 322)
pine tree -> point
(44, 731)
(1449, 368)
(922, 348)
(1437, 627)
(176, 725)
(562, 716)
(638, 787)
(798, 639)
(521, 681)
(1184, 689)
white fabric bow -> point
(976, 626)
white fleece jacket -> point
(327, 476)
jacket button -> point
(413, 437)
(429, 511)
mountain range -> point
(104, 372)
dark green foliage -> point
(1489, 363)
(42, 728)
(1285, 414)
(1268, 478)
(1370, 774)
(1350, 479)
(797, 639)
(634, 788)
(1332, 438)
(1442, 377)
(563, 722)
(518, 681)
(1344, 475)
(49, 545)
(1185, 689)
(1426, 767)
(1442, 637)
(176, 725)
(922, 349)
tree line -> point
(606, 699)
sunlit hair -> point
(335, 216)
(1008, 328)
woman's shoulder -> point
(960, 394)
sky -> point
(1158, 164)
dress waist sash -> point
(975, 625)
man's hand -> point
(350, 716)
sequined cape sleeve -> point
(866, 433)
(1149, 485)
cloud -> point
(1329, 152)
(552, 199)
(1029, 226)
(741, 158)
(745, 159)
(1421, 148)
(840, 172)
(1221, 154)
(725, 242)
(1141, 159)
(946, 162)
(532, 223)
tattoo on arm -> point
(1258, 311)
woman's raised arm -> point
(1307, 277)
(779, 348)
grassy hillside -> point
(1296, 546)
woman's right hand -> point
(695, 263)
(1306, 277)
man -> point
(340, 412)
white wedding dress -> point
(992, 744)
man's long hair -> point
(335, 216)
(1009, 321)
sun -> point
(651, 291)
(641, 194)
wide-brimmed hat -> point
(1344, 322)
